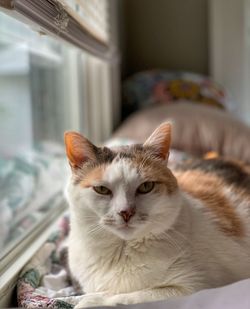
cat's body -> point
(183, 236)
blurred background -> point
(171, 35)
(201, 36)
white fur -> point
(176, 251)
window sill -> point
(12, 263)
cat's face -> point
(128, 191)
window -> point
(49, 83)
(40, 92)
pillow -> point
(197, 129)
(165, 87)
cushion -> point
(197, 129)
(166, 87)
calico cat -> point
(141, 232)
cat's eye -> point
(102, 190)
(145, 187)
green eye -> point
(145, 187)
(102, 190)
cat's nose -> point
(127, 214)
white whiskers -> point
(94, 229)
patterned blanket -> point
(45, 282)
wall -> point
(170, 34)
(230, 51)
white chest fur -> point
(107, 263)
(198, 258)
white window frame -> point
(13, 262)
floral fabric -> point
(31, 286)
(166, 87)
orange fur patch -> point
(242, 165)
(211, 155)
(156, 170)
(92, 177)
(208, 188)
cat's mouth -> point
(119, 226)
(124, 230)
(125, 226)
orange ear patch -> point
(160, 140)
(78, 149)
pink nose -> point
(127, 214)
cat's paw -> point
(92, 300)
(123, 299)
(103, 299)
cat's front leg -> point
(148, 295)
(91, 300)
(132, 298)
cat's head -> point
(129, 190)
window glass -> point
(41, 96)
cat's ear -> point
(160, 140)
(78, 149)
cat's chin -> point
(125, 232)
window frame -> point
(13, 262)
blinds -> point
(92, 14)
(84, 23)
(5, 4)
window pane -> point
(41, 96)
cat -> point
(141, 232)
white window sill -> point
(12, 263)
